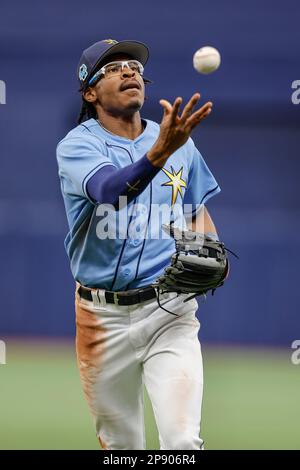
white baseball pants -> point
(120, 348)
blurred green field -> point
(251, 399)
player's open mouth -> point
(130, 86)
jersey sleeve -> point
(79, 158)
(202, 185)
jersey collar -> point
(117, 138)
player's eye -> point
(113, 68)
(133, 66)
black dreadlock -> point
(87, 111)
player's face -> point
(121, 93)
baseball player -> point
(115, 170)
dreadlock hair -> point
(88, 110)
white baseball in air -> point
(206, 60)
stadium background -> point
(251, 143)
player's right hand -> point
(175, 129)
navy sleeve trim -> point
(206, 196)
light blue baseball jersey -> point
(135, 250)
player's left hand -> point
(175, 128)
(188, 119)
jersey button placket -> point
(133, 245)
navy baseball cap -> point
(93, 56)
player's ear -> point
(90, 95)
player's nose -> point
(127, 73)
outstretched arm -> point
(109, 183)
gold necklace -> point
(101, 125)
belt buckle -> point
(116, 300)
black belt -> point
(129, 297)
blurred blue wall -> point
(250, 142)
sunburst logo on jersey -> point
(175, 181)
